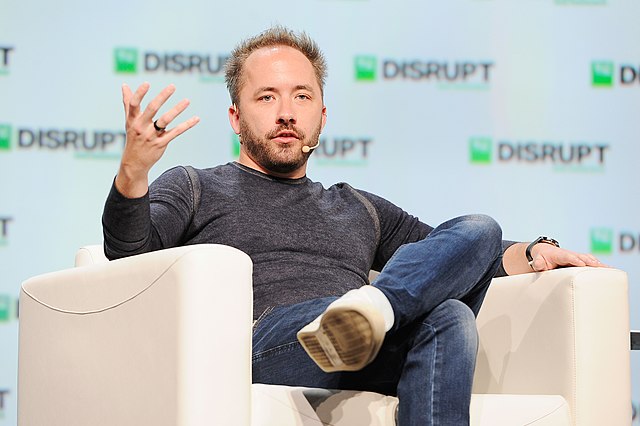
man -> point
(412, 333)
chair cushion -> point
(507, 410)
(298, 406)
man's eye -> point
(303, 96)
(267, 97)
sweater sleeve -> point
(155, 221)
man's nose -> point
(286, 114)
(288, 119)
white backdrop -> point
(522, 109)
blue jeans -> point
(436, 287)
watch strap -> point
(540, 239)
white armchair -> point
(164, 338)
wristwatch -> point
(540, 239)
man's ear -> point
(324, 117)
(234, 118)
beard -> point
(278, 159)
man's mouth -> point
(286, 134)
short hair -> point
(274, 36)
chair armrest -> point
(162, 338)
(563, 332)
(90, 255)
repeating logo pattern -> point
(84, 143)
(410, 70)
(460, 74)
(131, 60)
(563, 156)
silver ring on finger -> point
(158, 128)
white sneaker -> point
(348, 335)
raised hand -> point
(147, 138)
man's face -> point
(280, 111)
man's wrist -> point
(131, 184)
(540, 239)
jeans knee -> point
(460, 313)
(460, 322)
(482, 230)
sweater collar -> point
(296, 181)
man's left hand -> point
(547, 256)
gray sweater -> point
(305, 241)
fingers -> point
(132, 102)
(569, 258)
(539, 264)
(146, 141)
(579, 259)
(143, 122)
(136, 99)
(553, 257)
(591, 260)
(170, 115)
(126, 98)
(157, 102)
(181, 128)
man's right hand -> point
(145, 145)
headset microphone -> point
(308, 148)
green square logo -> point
(365, 66)
(480, 150)
(601, 241)
(602, 73)
(5, 308)
(5, 137)
(125, 59)
(235, 145)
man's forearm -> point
(126, 225)
(514, 259)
